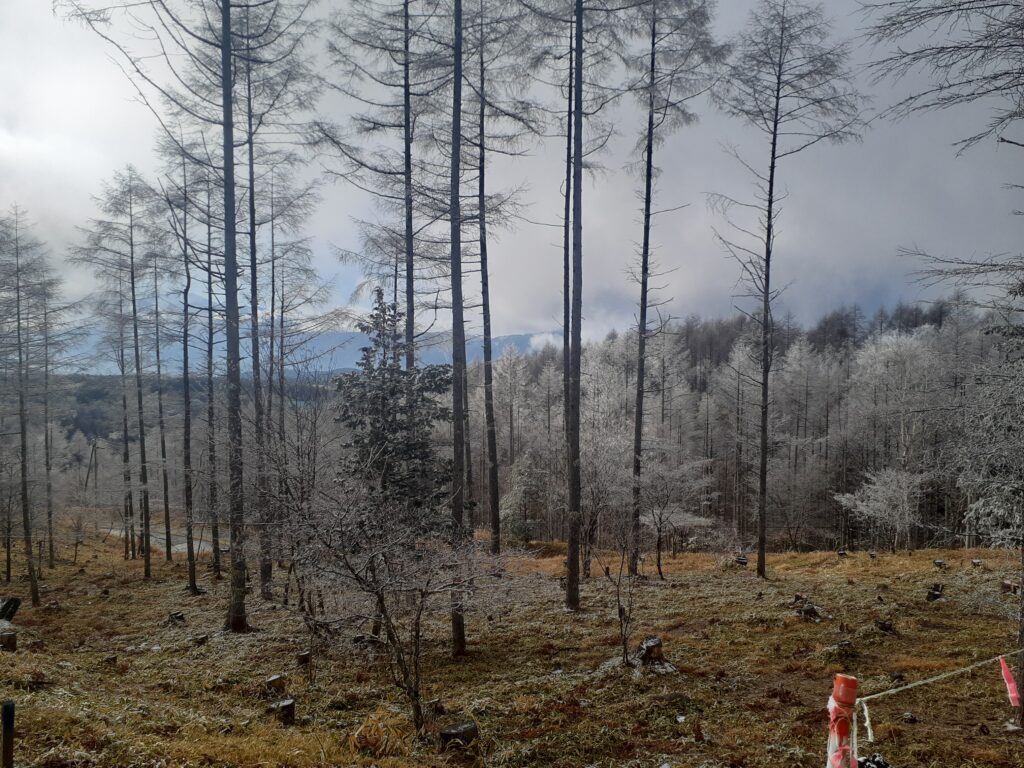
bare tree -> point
(388, 60)
(205, 35)
(22, 262)
(791, 82)
(114, 246)
(968, 50)
(677, 64)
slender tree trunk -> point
(186, 395)
(26, 512)
(281, 433)
(161, 423)
(211, 424)
(458, 328)
(8, 541)
(567, 242)
(276, 451)
(407, 136)
(767, 332)
(572, 581)
(137, 350)
(263, 519)
(129, 510)
(493, 510)
(470, 490)
(641, 356)
(47, 434)
(236, 617)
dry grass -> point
(751, 690)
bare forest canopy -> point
(210, 402)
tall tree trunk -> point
(186, 397)
(47, 433)
(767, 329)
(8, 541)
(161, 423)
(236, 617)
(641, 354)
(470, 492)
(493, 510)
(567, 241)
(410, 298)
(137, 350)
(126, 473)
(572, 581)
(458, 328)
(281, 430)
(212, 499)
(263, 519)
(26, 512)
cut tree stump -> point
(741, 561)
(302, 658)
(976, 563)
(459, 734)
(276, 683)
(940, 564)
(9, 607)
(1012, 587)
(9, 642)
(650, 655)
(283, 710)
(200, 639)
(650, 651)
(936, 593)
(810, 612)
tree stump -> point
(459, 734)
(302, 658)
(741, 561)
(283, 710)
(200, 639)
(1012, 587)
(886, 625)
(940, 564)
(841, 553)
(276, 683)
(809, 612)
(9, 642)
(650, 655)
(976, 563)
(936, 593)
(9, 607)
(650, 651)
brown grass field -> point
(751, 689)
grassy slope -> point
(751, 690)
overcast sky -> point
(68, 119)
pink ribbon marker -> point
(1011, 683)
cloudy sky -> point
(68, 118)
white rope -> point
(867, 722)
(862, 700)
